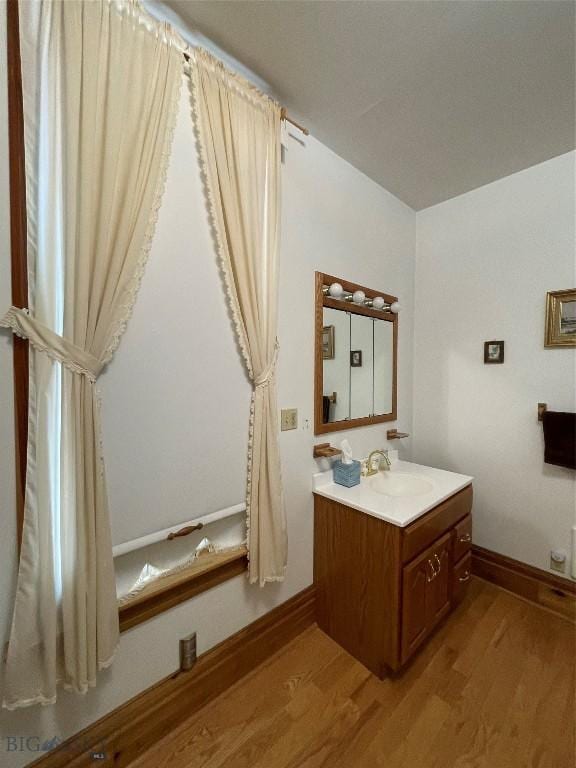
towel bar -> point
(542, 408)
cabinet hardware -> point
(465, 577)
(184, 531)
(439, 563)
(465, 538)
(434, 574)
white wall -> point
(485, 261)
(334, 220)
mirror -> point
(355, 381)
(361, 366)
(336, 366)
(383, 366)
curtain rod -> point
(283, 112)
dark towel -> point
(560, 439)
(325, 409)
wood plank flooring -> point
(493, 688)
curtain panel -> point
(100, 95)
(238, 132)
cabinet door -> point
(438, 588)
(416, 576)
(425, 594)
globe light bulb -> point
(395, 307)
(336, 290)
(378, 302)
(358, 297)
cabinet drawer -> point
(462, 538)
(461, 576)
(424, 531)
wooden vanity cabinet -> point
(380, 589)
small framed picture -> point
(493, 351)
(328, 342)
(561, 318)
(356, 358)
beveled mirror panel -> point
(383, 366)
(361, 366)
(336, 366)
(356, 346)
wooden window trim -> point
(18, 249)
(160, 596)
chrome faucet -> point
(373, 470)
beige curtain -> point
(100, 88)
(238, 131)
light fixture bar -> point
(335, 291)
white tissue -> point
(346, 452)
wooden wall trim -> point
(545, 589)
(18, 246)
(175, 590)
(130, 730)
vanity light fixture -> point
(335, 291)
(379, 303)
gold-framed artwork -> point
(328, 342)
(561, 318)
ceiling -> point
(429, 98)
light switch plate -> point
(288, 419)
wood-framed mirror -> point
(356, 356)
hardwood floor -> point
(493, 688)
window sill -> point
(160, 596)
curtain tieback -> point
(55, 346)
(266, 376)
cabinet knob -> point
(465, 538)
(465, 577)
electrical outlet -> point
(288, 419)
(558, 560)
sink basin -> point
(400, 484)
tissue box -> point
(346, 474)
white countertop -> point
(398, 510)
